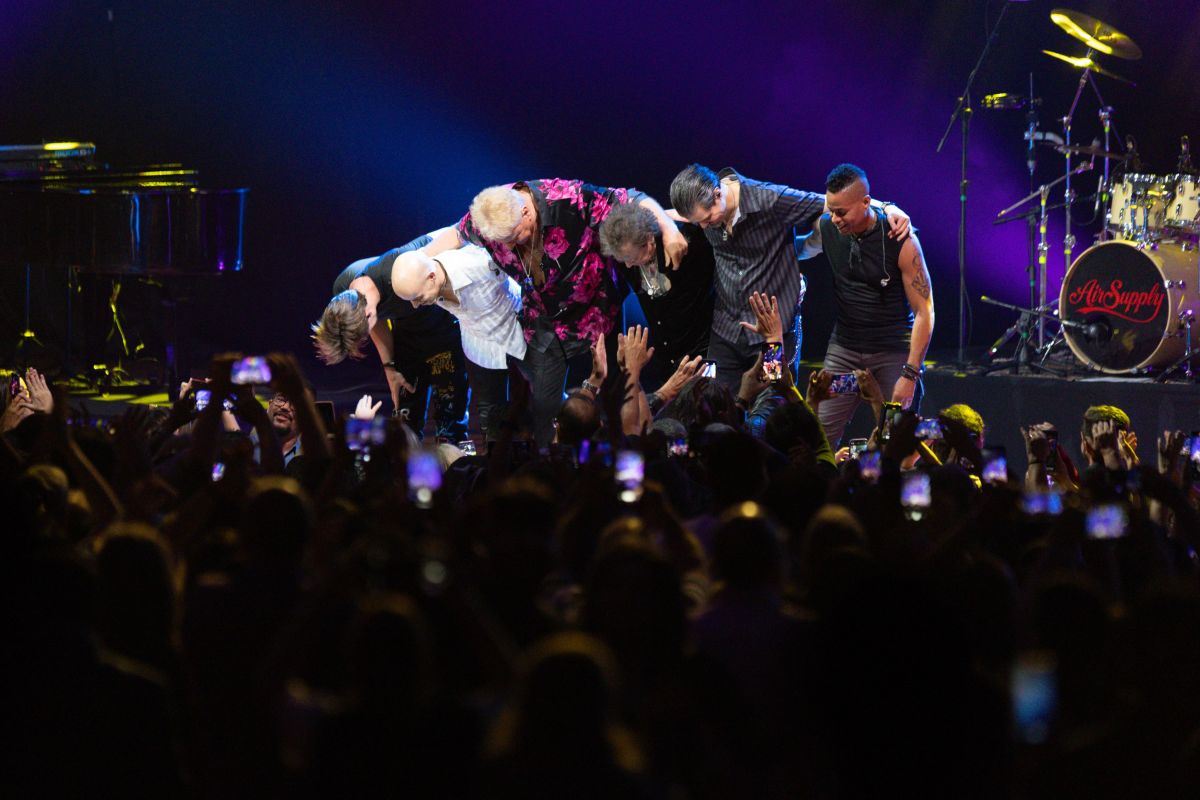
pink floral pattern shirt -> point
(582, 294)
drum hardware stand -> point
(28, 337)
(1185, 361)
(962, 113)
(1023, 328)
(1034, 216)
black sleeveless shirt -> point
(873, 315)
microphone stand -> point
(962, 113)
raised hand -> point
(40, 398)
(634, 344)
(768, 323)
(818, 388)
(366, 409)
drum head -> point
(1117, 291)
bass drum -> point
(1133, 299)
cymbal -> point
(1095, 34)
(1093, 150)
(1083, 62)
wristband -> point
(391, 365)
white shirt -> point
(488, 302)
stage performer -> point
(878, 284)
(468, 284)
(751, 227)
(679, 317)
(544, 234)
(420, 348)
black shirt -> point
(681, 319)
(873, 315)
(416, 332)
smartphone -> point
(1107, 521)
(630, 473)
(14, 384)
(677, 447)
(929, 430)
(857, 447)
(218, 471)
(844, 384)
(362, 434)
(915, 493)
(709, 370)
(890, 412)
(521, 450)
(1034, 688)
(202, 398)
(1049, 503)
(868, 465)
(467, 446)
(327, 413)
(995, 465)
(424, 477)
(251, 369)
(772, 361)
(1193, 448)
(595, 453)
(1052, 454)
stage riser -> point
(1007, 402)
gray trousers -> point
(836, 412)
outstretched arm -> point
(674, 243)
(920, 296)
(443, 240)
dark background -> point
(361, 126)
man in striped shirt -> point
(751, 226)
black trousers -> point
(440, 377)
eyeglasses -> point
(855, 252)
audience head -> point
(1093, 415)
(748, 550)
(577, 420)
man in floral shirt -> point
(544, 233)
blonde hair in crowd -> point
(496, 211)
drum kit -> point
(1127, 303)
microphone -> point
(1099, 331)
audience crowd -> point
(690, 594)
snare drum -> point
(1139, 206)
(1135, 300)
(1183, 212)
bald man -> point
(486, 301)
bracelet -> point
(391, 365)
(589, 386)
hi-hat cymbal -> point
(1093, 150)
(1095, 34)
(1082, 62)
